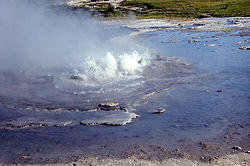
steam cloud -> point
(35, 38)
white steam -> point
(35, 39)
(109, 67)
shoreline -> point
(229, 148)
(235, 159)
(195, 25)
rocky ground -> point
(196, 25)
(241, 159)
(229, 148)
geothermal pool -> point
(53, 78)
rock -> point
(124, 109)
(204, 144)
(241, 42)
(24, 157)
(232, 21)
(180, 25)
(108, 106)
(76, 78)
(193, 41)
(94, 109)
(220, 90)
(236, 148)
(199, 24)
(245, 48)
(196, 37)
(110, 118)
(159, 111)
(211, 45)
(248, 151)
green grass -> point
(188, 8)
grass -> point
(187, 8)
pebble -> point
(159, 111)
(109, 106)
(211, 45)
(196, 37)
(24, 157)
(241, 42)
(245, 48)
(76, 78)
(124, 109)
(193, 41)
(204, 144)
(236, 148)
(220, 90)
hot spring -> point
(55, 63)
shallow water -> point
(185, 78)
(41, 112)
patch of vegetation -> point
(187, 8)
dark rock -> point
(193, 41)
(245, 48)
(76, 78)
(24, 157)
(199, 24)
(236, 148)
(159, 111)
(204, 144)
(232, 21)
(124, 109)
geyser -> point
(57, 66)
(48, 55)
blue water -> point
(194, 108)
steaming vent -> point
(109, 73)
(51, 59)
(110, 68)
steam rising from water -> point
(50, 57)
(54, 66)
(36, 39)
(65, 59)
